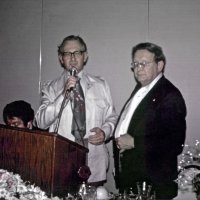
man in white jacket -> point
(100, 112)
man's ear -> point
(30, 125)
(161, 66)
(85, 57)
(60, 59)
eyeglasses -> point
(76, 54)
(140, 64)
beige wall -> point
(32, 29)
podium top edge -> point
(41, 132)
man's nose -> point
(141, 65)
(73, 57)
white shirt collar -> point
(150, 85)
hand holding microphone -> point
(72, 79)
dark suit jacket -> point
(158, 126)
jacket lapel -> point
(147, 107)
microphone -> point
(73, 71)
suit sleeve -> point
(49, 108)
(110, 115)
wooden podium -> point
(47, 160)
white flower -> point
(13, 188)
(189, 165)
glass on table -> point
(144, 191)
(90, 193)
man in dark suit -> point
(152, 126)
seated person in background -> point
(18, 114)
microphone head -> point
(73, 71)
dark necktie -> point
(78, 109)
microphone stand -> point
(73, 72)
(65, 101)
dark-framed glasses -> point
(143, 64)
(76, 54)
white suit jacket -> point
(100, 113)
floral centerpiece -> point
(196, 185)
(12, 187)
(189, 169)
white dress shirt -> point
(127, 114)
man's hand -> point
(71, 83)
(98, 137)
(125, 142)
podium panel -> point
(47, 160)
